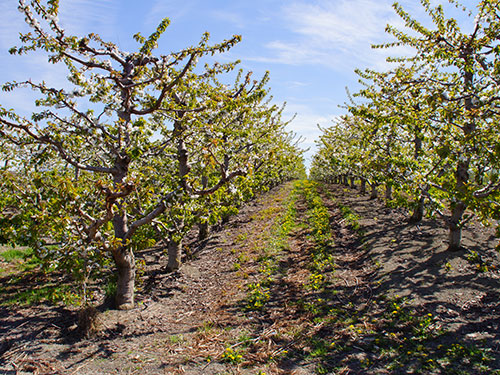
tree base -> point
(415, 219)
(125, 306)
(454, 248)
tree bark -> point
(455, 228)
(458, 207)
(388, 193)
(353, 185)
(374, 193)
(203, 230)
(123, 256)
(125, 264)
(174, 255)
(418, 212)
(363, 186)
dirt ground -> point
(412, 261)
(190, 321)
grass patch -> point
(52, 293)
(350, 217)
(17, 259)
(15, 253)
(24, 284)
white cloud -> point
(344, 23)
(80, 17)
(337, 34)
(77, 17)
(235, 19)
(174, 10)
(295, 84)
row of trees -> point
(429, 128)
(142, 147)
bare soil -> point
(188, 322)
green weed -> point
(233, 356)
(259, 293)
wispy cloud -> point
(235, 19)
(11, 23)
(76, 16)
(338, 34)
(174, 10)
(296, 84)
(83, 16)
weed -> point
(19, 259)
(350, 217)
(241, 238)
(474, 258)
(175, 339)
(206, 327)
(259, 293)
(257, 296)
(232, 356)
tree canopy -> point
(131, 152)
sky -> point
(310, 47)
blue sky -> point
(310, 47)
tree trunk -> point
(363, 186)
(345, 180)
(125, 264)
(174, 255)
(462, 172)
(124, 260)
(418, 212)
(458, 207)
(353, 185)
(203, 230)
(388, 192)
(455, 228)
(203, 227)
(374, 193)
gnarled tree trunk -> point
(123, 256)
(125, 264)
(203, 228)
